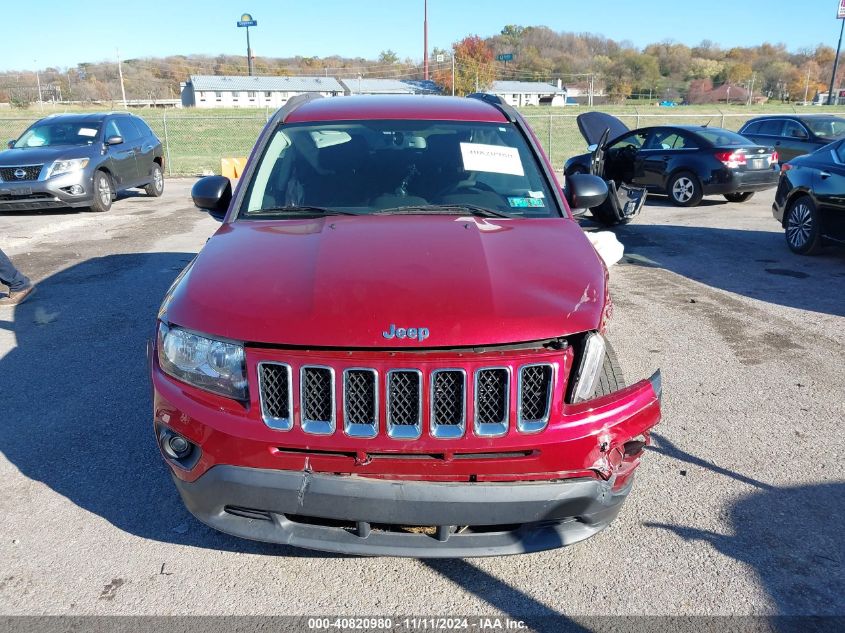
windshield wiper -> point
(445, 209)
(305, 209)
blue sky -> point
(62, 33)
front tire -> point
(103, 192)
(156, 186)
(802, 227)
(685, 190)
(739, 197)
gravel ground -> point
(737, 508)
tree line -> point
(664, 70)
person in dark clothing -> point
(20, 287)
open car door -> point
(623, 202)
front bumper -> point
(30, 195)
(734, 181)
(515, 493)
(356, 515)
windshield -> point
(366, 167)
(826, 127)
(48, 134)
(720, 137)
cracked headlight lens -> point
(207, 363)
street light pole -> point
(248, 54)
(835, 64)
(425, 38)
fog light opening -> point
(176, 446)
(74, 190)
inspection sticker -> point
(524, 203)
(87, 131)
(496, 159)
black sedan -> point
(685, 162)
(810, 199)
(794, 134)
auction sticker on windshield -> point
(496, 159)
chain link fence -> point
(195, 142)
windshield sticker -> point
(525, 203)
(496, 159)
(87, 131)
(536, 194)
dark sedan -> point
(810, 199)
(794, 135)
(685, 162)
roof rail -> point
(292, 104)
(497, 102)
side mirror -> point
(583, 191)
(11, 144)
(592, 148)
(213, 194)
(114, 140)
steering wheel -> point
(458, 188)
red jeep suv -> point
(394, 344)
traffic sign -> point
(246, 20)
(840, 12)
(508, 57)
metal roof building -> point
(368, 86)
(230, 91)
(522, 93)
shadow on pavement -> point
(79, 398)
(790, 536)
(755, 264)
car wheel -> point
(611, 378)
(156, 186)
(685, 190)
(103, 192)
(739, 197)
(802, 227)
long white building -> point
(226, 91)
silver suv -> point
(80, 160)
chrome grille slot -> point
(274, 391)
(492, 401)
(360, 402)
(404, 403)
(317, 401)
(535, 397)
(448, 403)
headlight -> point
(207, 363)
(592, 359)
(67, 166)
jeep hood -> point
(342, 281)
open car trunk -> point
(624, 202)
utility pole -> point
(453, 72)
(120, 72)
(806, 87)
(835, 64)
(751, 90)
(38, 81)
(590, 98)
(425, 38)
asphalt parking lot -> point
(737, 508)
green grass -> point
(198, 139)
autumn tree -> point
(474, 69)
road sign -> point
(508, 57)
(246, 20)
(840, 12)
(441, 58)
